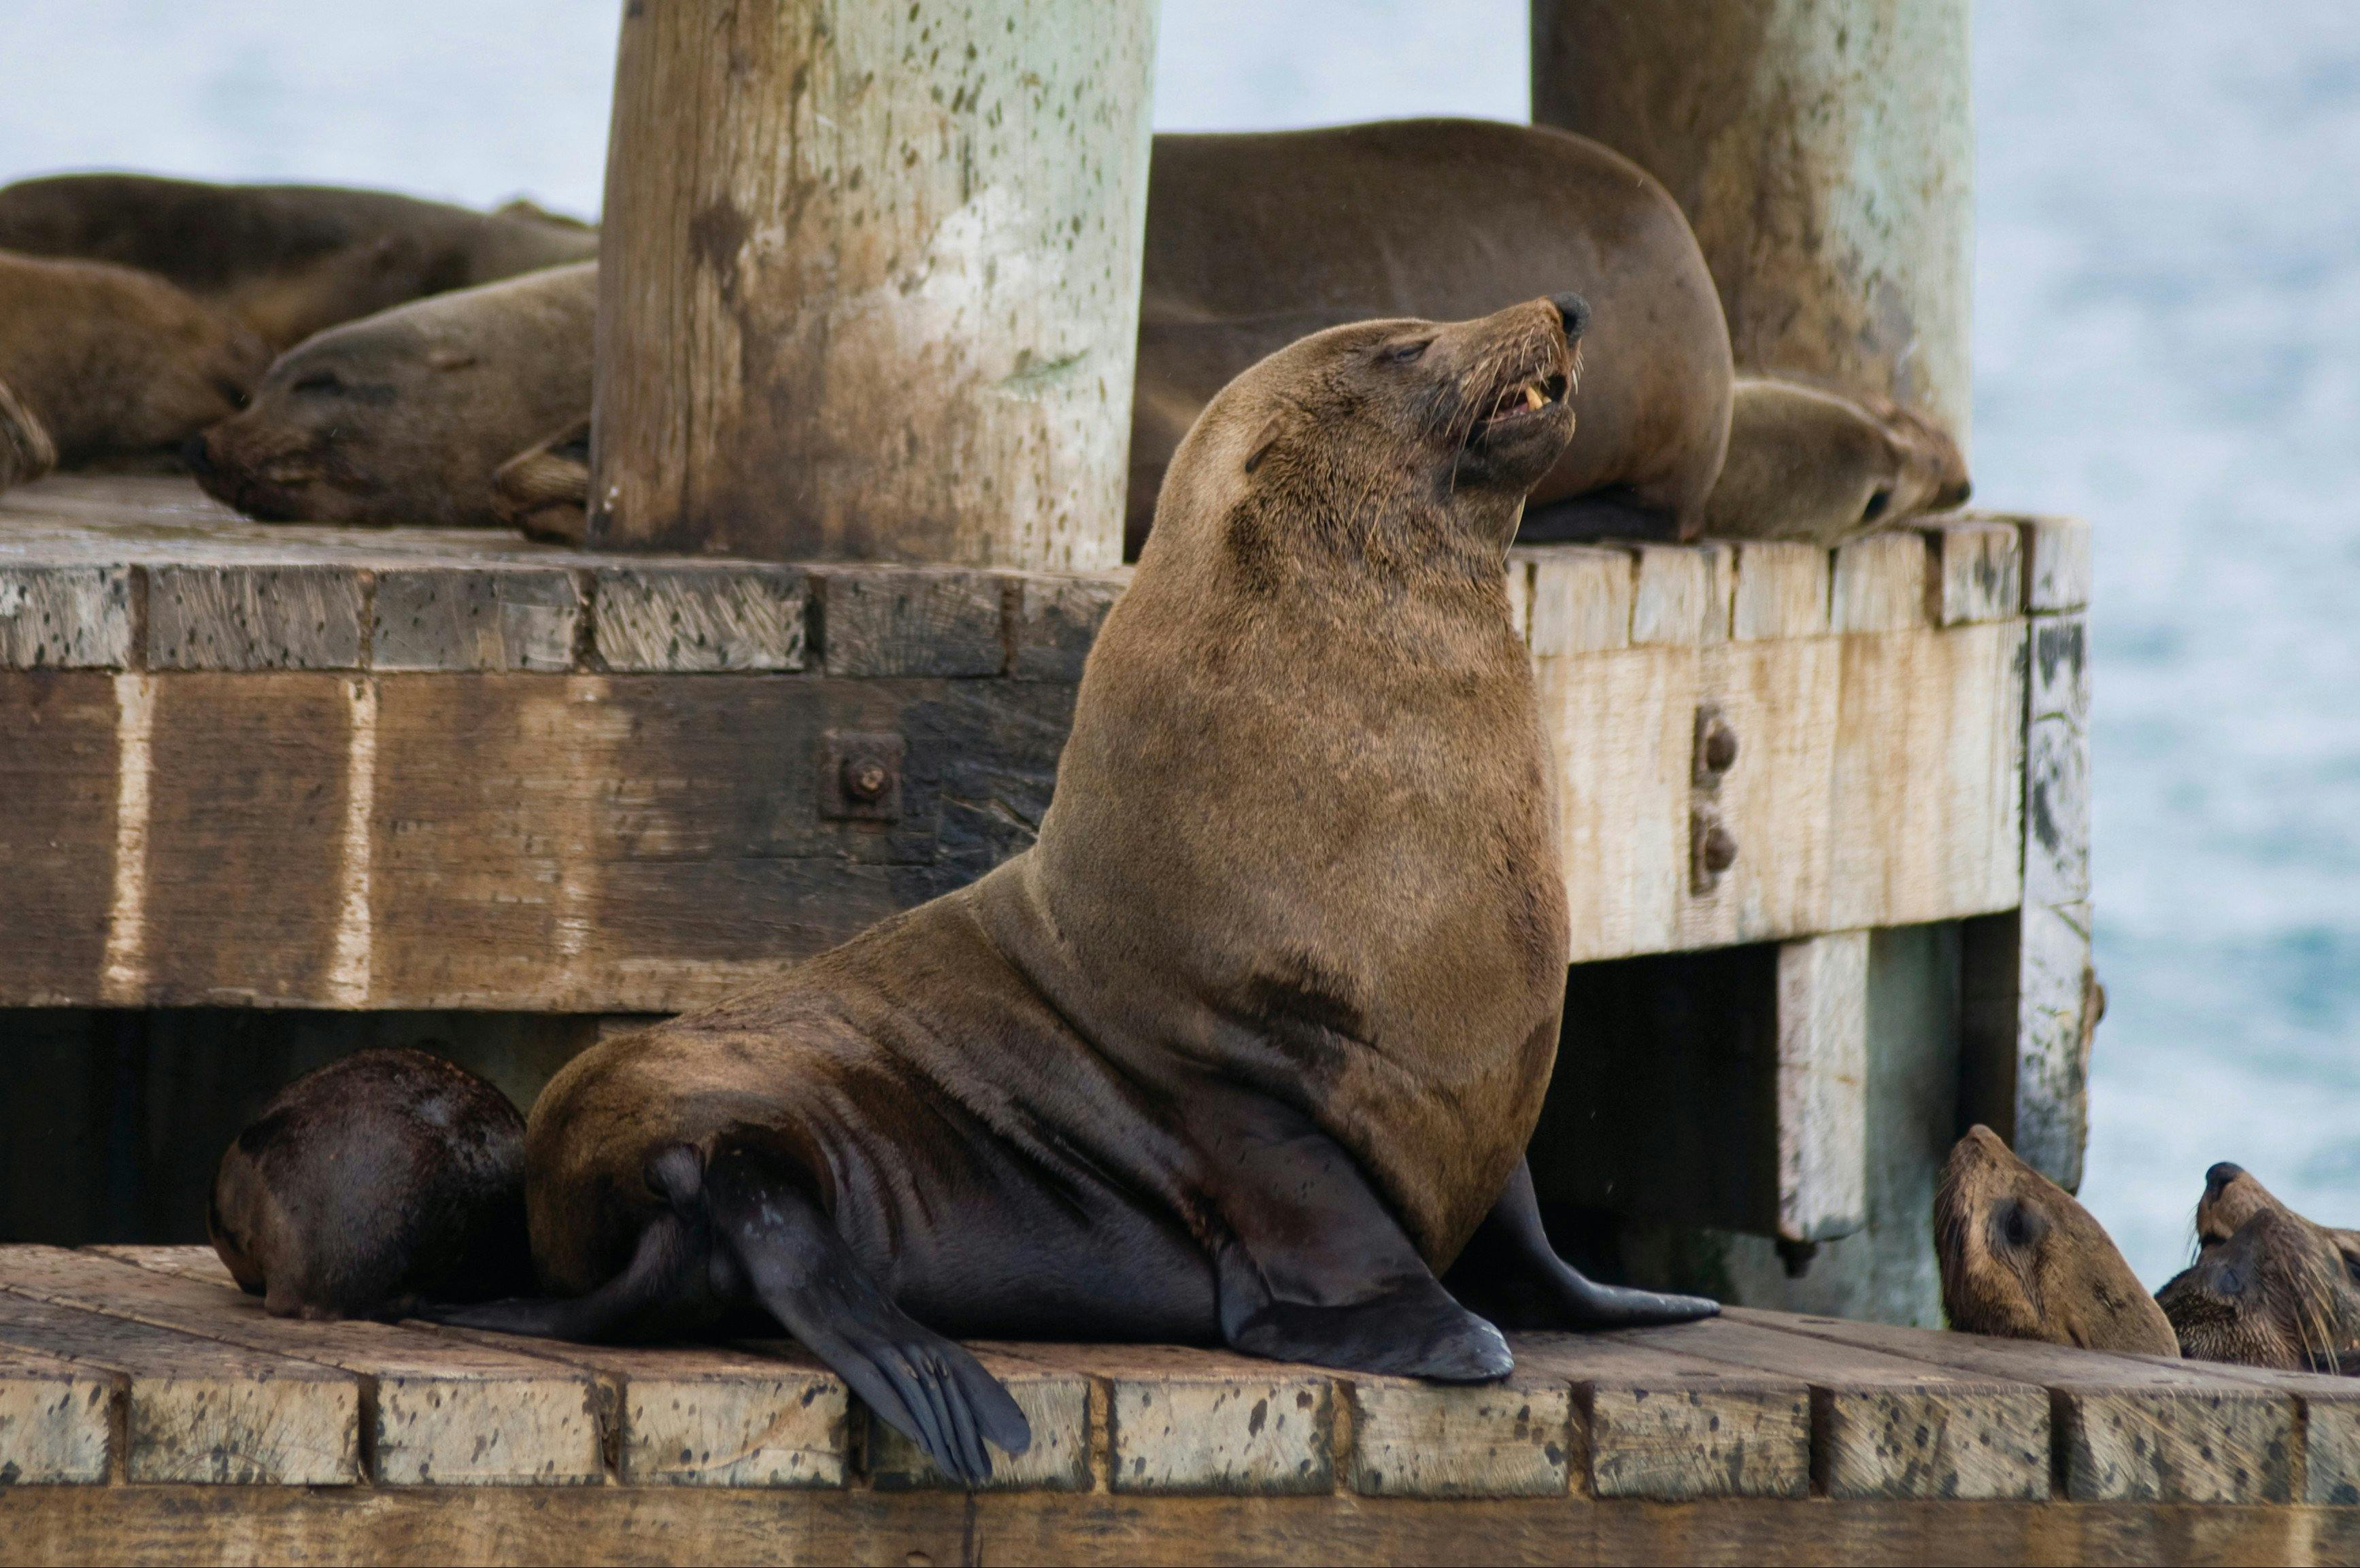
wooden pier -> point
(149, 1412)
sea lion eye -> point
(2018, 1226)
(1877, 504)
(1404, 353)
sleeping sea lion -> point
(104, 362)
(2268, 1287)
(1247, 1046)
(2021, 1260)
(544, 490)
(289, 260)
(1815, 465)
(403, 417)
(386, 1176)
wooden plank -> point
(445, 1412)
(2057, 564)
(690, 619)
(65, 617)
(1928, 753)
(1052, 1385)
(1880, 584)
(198, 1411)
(1657, 1424)
(2330, 1411)
(2126, 1428)
(256, 617)
(1780, 590)
(1621, 727)
(1053, 620)
(59, 776)
(1886, 1427)
(1682, 595)
(631, 1525)
(1823, 1086)
(1413, 1439)
(452, 618)
(56, 1420)
(1520, 597)
(1582, 597)
(1184, 1421)
(1978, 572)
(909, 620)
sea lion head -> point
(1400, 442)
(2268, 1287)
(2021, 1260)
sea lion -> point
(289, 260)
(1810, 464)
(403, 417)
(2021, 1260)
(1248, 1044)
(104, 362)
(1254, 240)
(386, 1176)
(26, 450)
(2268, 1287)
(544, 490)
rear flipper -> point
(799, 1268)
(1512, 1272)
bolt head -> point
(1719, 850)
(865, 779)
(1721, 748)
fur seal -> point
(386, 1176)
(1247, 1046)
(403, 417)
(105, 362)
(289, 260)
(1810, 464)
(2022, 1260)
(544, 490)
(2268, 1287)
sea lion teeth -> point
(1533, 398)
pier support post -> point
(1822, 148)
(870, 281)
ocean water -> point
(2166, 341)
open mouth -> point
(1528, 399)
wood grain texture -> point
(60, 778)
(1823, 1086)
(1183, 1422)
(65, 617)
(2330, 1411)
(56, 1421)
(1880, 584)
(928, 358)
(910, 621)
(1657, 1424)
(442, 1412)
(1053, 620)
(2126, 1428)
(1780, 590)
(1051, 1385)
(474, 618)
(1682, 595)
(2057, 564)
(256, 617)
(697, 619)
(201, 1411)
(1422, 1439)
(1978, 572)
(1582, 597)
(1883, 1426)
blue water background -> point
(2166, 341)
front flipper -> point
(1320, 1271)
(798, 1266)
(1510, 1269)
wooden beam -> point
(1822, 1088)
(870, 281)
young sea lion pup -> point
(104, 362)
(386, 1176)
(1248, 1045)
(288, 260)
(1810, 464)
(2021, 1260)
(405, 416)
(2268, 1287)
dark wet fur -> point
(2268, 1287)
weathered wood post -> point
(869, 284)
(1824, 151)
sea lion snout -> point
(1573, 311)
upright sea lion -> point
(384, 1177)
(404, 416)
(1254, 240)
(105, 362)
(287, 259)
(2268, 1287)
(2021, 1260)
(1247, 1046)
(1810, 464)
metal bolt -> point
(1719, 850)
(865, 779)
(1720, 747)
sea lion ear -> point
(1264, 441)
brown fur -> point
(383, 1178)
(2268, 1287)
(405, 417)
(2021, 1260)
(289, 260)
(1810, 464)
(544, 490)
(26, 450)
(114, 363)
(1300, 864)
